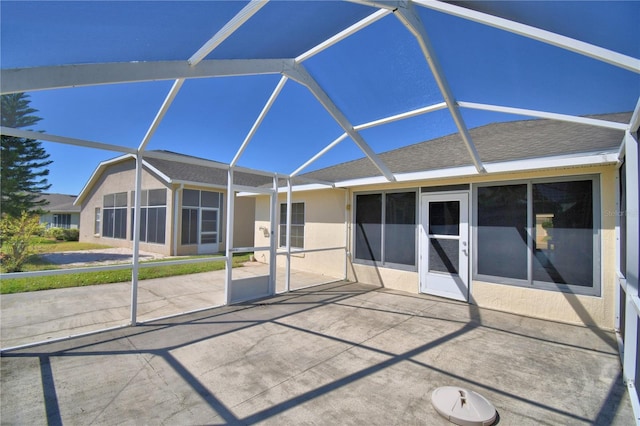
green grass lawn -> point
(36, 263)
(45, 245)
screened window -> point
(96, 221)
(114, 210)
(62, 220)
(386, 228)
(153, 215)
(541, 234)
(201, 211)
(189, 226)
(297, 225)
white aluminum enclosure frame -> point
(77, 75)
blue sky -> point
(375, 73)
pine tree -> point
(23, 170)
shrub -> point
(71, 234)
(55, 233)
(16, 234)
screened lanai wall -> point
(255, 80)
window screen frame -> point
(282, 225)
(596, 288)
(114, 205)
(147, 209)
(382, 262)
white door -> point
(444, 245)
(209, 226)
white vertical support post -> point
(631, 274)
(136, 241)
(228, 282)
(273, 244)
(176, 217)
(347, 253)
(288, 267)
(616, 319)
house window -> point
(153, 215)
(62, 220)
(297, 225)
(114, 221)
(385, 231)
(96, 221)
(201, 211)
(540, 234)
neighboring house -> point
(534, 235)
(182, 206)
(60, 211)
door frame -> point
(208, 248)
(465, 234)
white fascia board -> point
(16, 80)
(559, 162)
(200, 184)
(547, 115)
(246, 190)
(253, 192)
(517, 166)
(573, 45)
(96, 174)
(307, 187)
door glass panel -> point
(209, 221)
(369, 227)
(443, 255)
(210, 199)
(444, 218)
(208, 238)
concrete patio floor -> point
(341, 353)
(51, 314)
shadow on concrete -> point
(163, 338)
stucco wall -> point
(121, 178)
(243, 223)
(596, 311)
(324, 228)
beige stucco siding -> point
(243, 223)
(324, 228)
(120, 178)
(565, 307)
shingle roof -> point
(59, 203)
(178, 171)
(497, 142)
